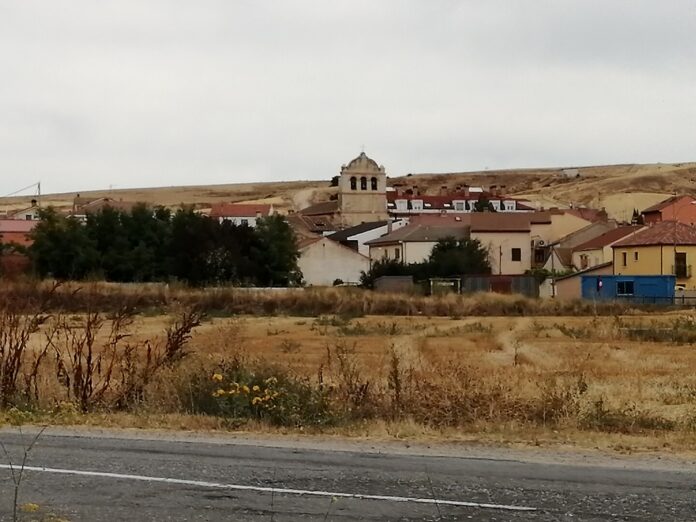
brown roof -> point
(17, 225)
(661, 233)
(666, 203)
(327, 207)
(229, 210)
(420, 233)
(102, 203)
(608, 238)
(311, 224)
(479, 221)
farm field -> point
(617, 382)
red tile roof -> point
(479, 221)
(608, 238)
(661, 233)
(666, 203)
(17, 225)
(230, 210)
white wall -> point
(251, 221)
(325, 261)
(375, 233)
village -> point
(561, 253)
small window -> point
(353, 183)
(373, 183)
(635, 256)
(624, 288)
(397, 254)
(363, 183)
(624, 257)
(517, 254)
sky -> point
(133, 93)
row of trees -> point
(449, 257)
(148, 244)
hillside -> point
(618, 188)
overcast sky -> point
(129, 93)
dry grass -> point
(517, 380)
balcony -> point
(681, 271)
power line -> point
(38, 184)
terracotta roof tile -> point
(666, 203)
(608, 238)
(230, 210)
(661, 233)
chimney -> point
(33, 202)
(443, 190)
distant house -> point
(25, 214)
(597, 251)
(414, 243)
(410, 202)
(323, 261)
(570, 286)
(310, 226)
(16, 231)
(357, 237)
(676, 208)
(83, 207)
(240, 213)
(665, 248)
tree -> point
(451, 257)
(384, 267)
(276, 253)
(61, 247)
(483, 205)
(334, 181)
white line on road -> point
(277, 491)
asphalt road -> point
(115, 478)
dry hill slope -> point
(619, 188)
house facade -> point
(413, 243)
(598, 251)
(665, 248)
(323, 261)
(16, 231)
(358, 236)
(676, 208)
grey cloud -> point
(135, 93)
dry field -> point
(619, 188)
(625, 382)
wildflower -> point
(255, 401)
(271, 380)
(245, 389)
(219, 393)
(217, 377)
(256, 388)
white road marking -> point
(278, 491)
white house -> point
(240, 213)
(357, 237)
(323, 261)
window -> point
(363, 183)
(459, 206)
(28, 217)
(635, 256)
(624, 288)
(539, 256)
(353, 183)
(584, 261)
(373, 183)
(517, 254)
(680, 268)
(417, 204)
(624, 255)
(397, 254)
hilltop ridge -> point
(618, 188)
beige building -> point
(323, 261)
(362, 192)
(413, 243)
(569, 287)
(598, 251)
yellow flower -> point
(245, 389)
(271, 380)
(256, 388)
(217, 377)
(255, 401)
(219, 393)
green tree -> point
(451, 257)
(276, 253)
(61, 247)
(483, 205)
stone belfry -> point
(362, 192)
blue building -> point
(638, 288)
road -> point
(84, 476)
